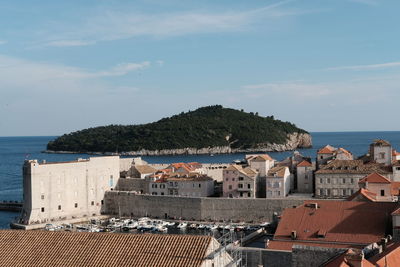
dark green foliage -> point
(204, 127)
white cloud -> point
(2, 42)
(112, 25)
(27, 75)
(368, 67)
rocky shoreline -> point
(295, 140)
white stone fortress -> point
(66, 190)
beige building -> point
(278, 182)
(187, 185)
(261, 163)
(381, 152)
(66, 190)
(329, 153)
(339, 178)
(305, 177)
(240, 182)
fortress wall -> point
(191, 208)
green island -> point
(210, 126)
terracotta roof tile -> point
(343, 261)
(389, 257)
(277, 171)
(368, 195)
(73, 249)
(304, 163)
(143, 169)
(345, 222)
(353, 166)
(381, 142)
(326, 150)
(375, 178)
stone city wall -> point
(192, 208)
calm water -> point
(14, 150)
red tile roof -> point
(345, 222)
(364, 193)
(389, 257)
(343, 261)
(326, 150)
(304, 163)
(73, 249)
(375, 178)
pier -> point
(14, 206)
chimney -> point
(355, 257)
(293, 235)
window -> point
(241, 194)
(162, 193)
(111, 181)
(59, 207)
(320, 192)
(240, 178)
(233, 179)
(42, 209)
(92, 203)
(279, 193)
(248, 186)
(42, 196)
(102, 202)
(240, 185)
(199, 185)
(321, 181)
(328, 180)
(382, 155)
(343, 192)
(249, 194)
(328, 191)
(154, 193)
(230, 187)
(352, 181)
(382, 193)
(226, 179)
(155, 186)
(344, 180)
(76, 205)
(230, 195)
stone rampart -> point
(192, 208)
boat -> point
(182, 225)
(201, 226)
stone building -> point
(240, 182)
(278, 182)
(187, 185)
(339, 178)
(381, 152)
(261, 163)
(141, 171)
(66, 190)
(328, 153)
(305, 177)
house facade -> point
(186, 185)
(339, 178)
(278, 182)
(305, 177)
(239, 182)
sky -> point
(331, 65)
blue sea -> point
(14, 150)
